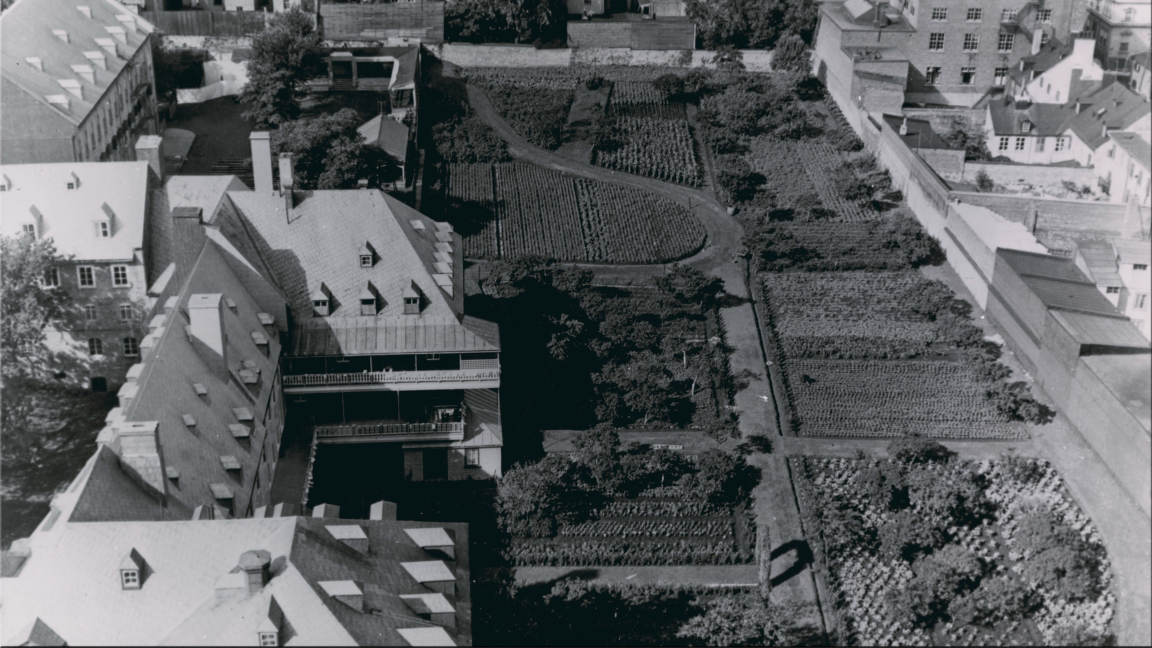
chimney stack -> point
(261, 144)
(287, 186)
(1037, 39)
(136, 444)
(148, 150)
(207, 329)
(255, 565)
(904, 126)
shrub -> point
(996, 600)
(983, 182)
(1022, 469)
(919, 450)
(908, 535)
(737, 177)
(939, 578)
(670, 84)
(790, 54)
(1015, 401)
(595, 82)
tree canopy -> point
(742, 620)
(28, 304)
(328, 153)
(751, 24)
(284, 56)
(518, 21)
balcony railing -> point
(391, 377)
(388, 429)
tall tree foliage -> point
(751, 24)
(518, 21)
(328, 153)
(284, 56)
(742, 620)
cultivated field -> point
(517, 209)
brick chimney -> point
(1037, 40)
(261, 144)
(255, 566)
(207, 331)
(148, 150)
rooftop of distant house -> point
(1136, 145)
(388, 134)
(1091, 116)
(305, 580)
(91, 210)
(66, 54)
(862, 15)
(918, 133)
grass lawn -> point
(68, 422)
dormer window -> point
(132, 571)
(411, 305)
(103, 228)
(269, 639)
(321, 301)
(29, 229)
(129, 579)
(368, 306)
(320, 307)
(365, 260)
(367, 255)
(1026, 127)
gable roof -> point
(321, 241)
(1129, 251)
(920, 133)
(1059, 284)
(26, 30)
(109, 492)
(1113, 107)
(1136, 146)
(387, 133)
(1047, 119)
(103, 191)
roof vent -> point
(201, 390)
(13, 560)
(250, 377)
(61, 34)
(347, 592)
(132, 571)
(108, 45)
(128, 22)
(87, 11)
(259, 338)
(351, 535)
(229, 462)
(434, 636)
(204, 513)
(243, 414)
(433, 574)
(433, 607)
(222, 492)
(255, 566)
(230, 303)
(35, 62)
(118, 33)
(417, 225)
(239, 431)
(266, 319)
(97, 59)
(189, 420)
(172, 473)
(330, 511)
(382, 510)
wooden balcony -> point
(393, 381)
(395, 432)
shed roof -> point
(1100, 257)
(1091, 329)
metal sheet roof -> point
(1105, 331)
(1065, 295)
(368, 335)
(1045, 266)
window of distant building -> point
(1044, 38)
(29, 229)
(131, 347)
(1059, 144)
(971, 42)
(1129, 15)
(1008, 15)
(931, 75)
(1139, 266)
(939, 14)
(967, 75)
(936, 42)
(1112, 290)
(51, 278)
(1140, 302)
(1123, 47)
(1006, 42)
(90, 313)
(86, 276)
(975, 15)
(120, 276)
(126, 312)
(129, 579)
(102, 229)
(1020, 143)
(95, 347)
(1003, 145)
(472, 457)
(1040, 144)
(1000, 77)
(1044, 15)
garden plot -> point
(823, 163)
(891, 398)
(1018, 599)
(538, 211)
(652, 136)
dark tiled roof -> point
(1113, 107)
(388, 134)
(26, 30)
(1047, 119)
(1069, 296)
(920, 133)
(1043, 266)
(111, 495)
(1094, 330)
(1137, 147)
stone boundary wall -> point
(941, 118)
(469, 55)
(1035, 174)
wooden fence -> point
(235, 24)
(356, 22)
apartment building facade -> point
(78, 82)
(96, 215)
(1121, 28)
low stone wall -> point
(1034, 174)
(468, 55)
(942, 119)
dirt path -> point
(774, 499)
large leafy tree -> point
(284, 56)
(28, 307)
(328, 153)
(506, 20)
(751, 24)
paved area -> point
(174, 149)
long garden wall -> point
(469, 55)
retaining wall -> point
(469, 55)
(1034, 174)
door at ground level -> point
(435, 464)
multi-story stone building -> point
(96, 215)
(1121, 28)
(936, 51)
(78, 83)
